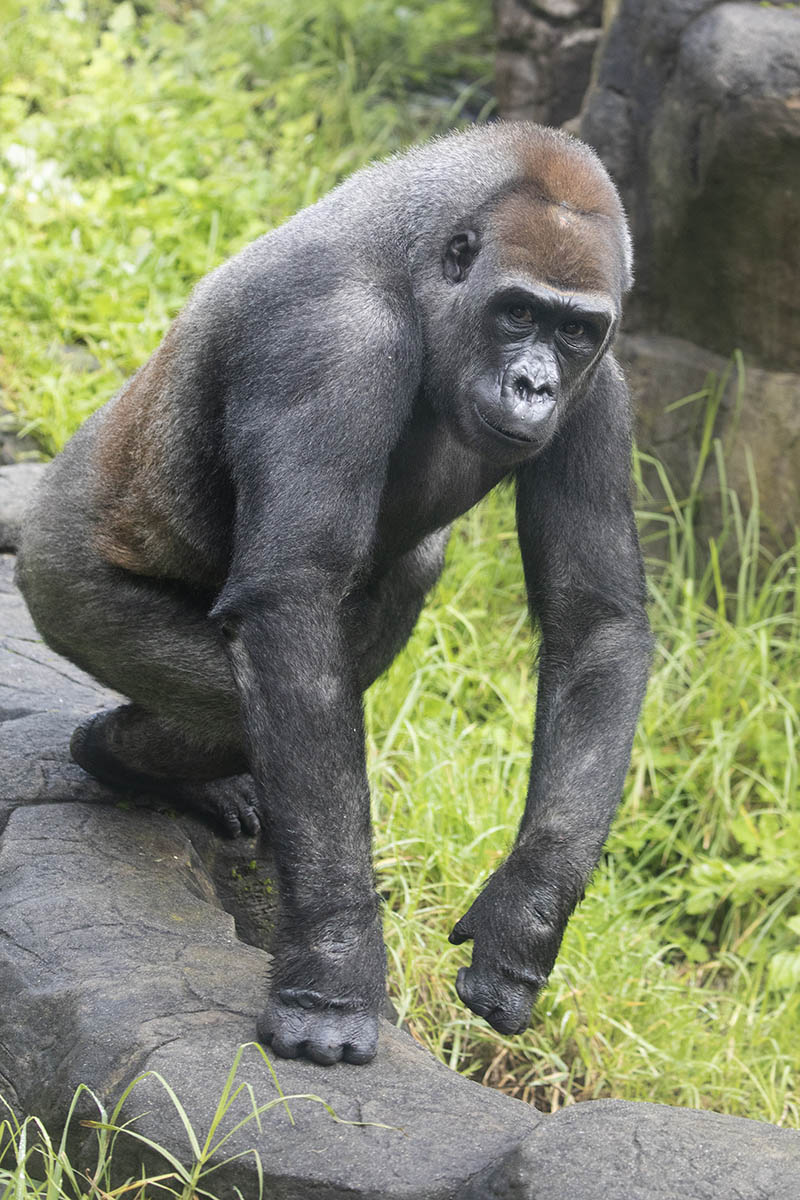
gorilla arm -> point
(309, 467)
(586, 587)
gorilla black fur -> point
(241, 540)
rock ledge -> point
(122, 949)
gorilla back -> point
(241, 540)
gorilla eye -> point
(521, 313)
(573, 329)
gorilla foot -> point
(229, 802)
(298, 1023)
(90, 749)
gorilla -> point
(241, 540)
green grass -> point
(679, 978)
(153, 142)
(140, 146)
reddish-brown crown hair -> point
(563, 222)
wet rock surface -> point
(130, 940)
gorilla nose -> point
(521, 386)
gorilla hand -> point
(516, 940)
(326, 992)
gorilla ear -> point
(460, 254)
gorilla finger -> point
(231, 824)
(481, 999)
(510, 1020)
(512, 1012)
(284, 1046)
(282, 1028)
(303, 997)
(323, 1053)
(340, 1035)
(360, 1038)
(461, 932)
(362, 1052)
(277, 1038)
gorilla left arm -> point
(585, 583)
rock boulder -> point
(696, 113)
(544, 58)
(131, 941)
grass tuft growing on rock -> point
(34, 1167)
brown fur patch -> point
(564, 174)
(129, 460)
(564, 222)
(561, 247)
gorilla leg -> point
(181, 737)
(151, 642)
(298, 1020)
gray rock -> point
(695, 110)
(544, 58)
(620, 1150)
(696, 113)
(757, 423)
(15, 447)
(117, 956)
(17, 483)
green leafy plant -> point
(140, 145)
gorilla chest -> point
(432, 479)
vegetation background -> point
(140, 145)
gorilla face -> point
(515, 350)
(540, 344)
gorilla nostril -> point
(529, 392)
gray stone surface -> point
(696, 113)
(17, 483)
(619, 1150)
(130, 941)
(757, 423)
(544, 59)
(117, 956)
(695, 110)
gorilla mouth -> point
(496, 427)
(519, 421)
